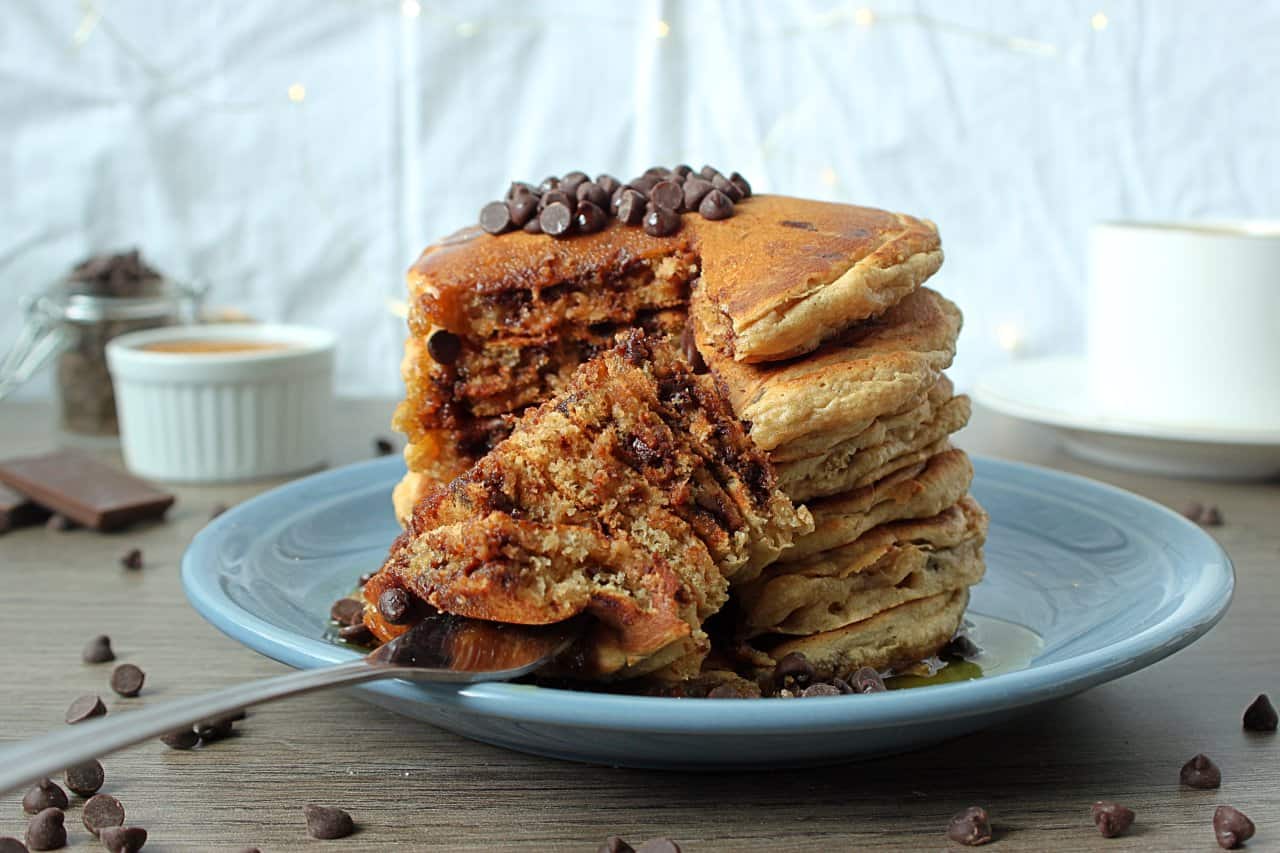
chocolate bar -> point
(84, 489)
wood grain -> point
(411, 787)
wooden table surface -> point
(411, 787)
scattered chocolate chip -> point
(589, 218)
(715, 206)
(127, 679)
(85, 707)
(594, 193)
(659, 845)
(608, 183)
(495, 217)
(1231, 827)
(727, 187)
(970, 827)
(843, 686)
(59, 522)
(1260, 716)
(631, 206)
(1192, 511)
(661, 222)
(614, 844)
(102, 811)
(123, 839)
(347, 611)
(793, 671)
(667, 194)
(250, 850)
(741, 183)
(216, 729)
(47, 830)
(1201, 772)
(325, 823)
(45, 794)
(522, 208)
(820, 689)
(867, 680)
(85, 779)
(556, 219)
(961, 647)
(533, 226)
(694, 191)
(9, 844)
(181, 739)
(98, 650)
(383, 446)
(394, 605)
(444, 346)
(358, 634)
(1211, 517)
(1112, 819)
(132, 559)
(218, 509)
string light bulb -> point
(1009, 337)
(297, 93)
(829, 176)
(661, 29)
(864, 17)
(1099, 21)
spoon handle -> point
(47, 755)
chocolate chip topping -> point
(1260, 716)
(970, 827)
(85, 707)
(347, 611)
(1112, 819)
(123, 839)
(589, 218)
(358, 634)
(608, 183)
(127, 679)
(1201, 772)
(694, 191)
(47, 830)
(1231, 827)
(716, 205)
(394, 605)
(326, 823)
(556, 219)
(522, 208)
(98, 650)
(132, 559)
(667, 194)
(741, 183)
(45, 794)
(444, 346)
(85, 779)
(102, 811)
(661, 222)
(630, 207)
(495, 217)
(793, 671)
(594, 193)
(181, 739)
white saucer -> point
(1054, 391)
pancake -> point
(916, 491)
(880, 366)
(887, 566)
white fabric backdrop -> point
(300, 154)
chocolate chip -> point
(127, 679)
(1112, 819)
(181, 739)
(85, 779)
(45, 794)
(250, 850)
(347, 611)
(548, 184)
(708, 172)
(694, 191)
(608, 183)
(741, 183)
(659, 845)
(132, 559)
(715, 206)
(667, 194)
(644, 183)
(1260, 716)
(661, 222)
(727, 187)
(867, 680)
(366, 577)
(123, 839)
(630, 208)
(9, 844)
(843, 686)
(684, 170)
(218, 509)
(558, 197)
(725, 691)
(59, 522)
(1211, 517)
(793, 670)
(970, 827)
(1201, 772)
(85, 707)
(820, 689)
(519, 189)
(98, 650)
(47, 830)
(495, 217)
(594, 193)
(1231, 827)
(690, 348)
(102, 811)
(394, 605)
(358, 634)
(444, 346)
(570, 182)
(533, 226)
(614, 844)
(1192, 511)
(522, 208)
(216, 729)
(325, 823)
(383, 446)
(556, 219)
(961, 647)
(589, 218)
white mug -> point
(1184, 323)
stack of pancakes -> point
(816, 331)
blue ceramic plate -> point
(1085, 583)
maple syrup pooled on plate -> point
(213, 346)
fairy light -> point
(1008, 337)
(1099, 21)
(410, 8)
(829, 176)
(661, 29)
(864, 17)
(297, 93)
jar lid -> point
(85, 308)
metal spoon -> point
(441, 648)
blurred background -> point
(298, 155)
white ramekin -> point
(216, 417)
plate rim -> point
(989, 392)
(1206, 602)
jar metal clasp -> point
(43, 334)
